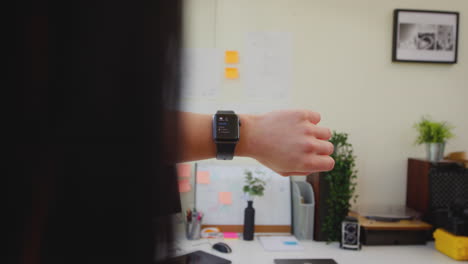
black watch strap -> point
(225, 112)
(225, 151)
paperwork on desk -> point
(280, 243)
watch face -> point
(226, 127)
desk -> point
(246, 252)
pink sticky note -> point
(184, 186)
(184, 170)
(203, 177)
(230, 235)
(225, 197)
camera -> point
(350, 231)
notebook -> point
(305, 261)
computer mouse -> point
(222, 247)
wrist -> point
(244, 146)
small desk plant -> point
(434, 135)
(254, 187)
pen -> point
(195, 189)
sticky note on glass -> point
(184, 170)
(231, 57)
(184, 186)
(231, 73)
(203, 177)
(225, 197)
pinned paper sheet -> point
(203, 177)
(268, 66)
(184, 186)
(202, 72)
(184, 170)
(231, 57)
(225, 197)
(231, 73)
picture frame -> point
(425, 36)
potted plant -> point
(434, 135)
(342, 185)
(254, 187)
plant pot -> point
(249, 221)
(435, 151)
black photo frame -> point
(425, 36)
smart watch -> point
(226, 134)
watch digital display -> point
(226, 127)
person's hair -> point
(91, 130)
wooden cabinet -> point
(418, 183)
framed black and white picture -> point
(425, 36)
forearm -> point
(289, 142)
(196, 142)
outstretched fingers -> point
(313, 117)
(316, 163)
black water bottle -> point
(249, 221)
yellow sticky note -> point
(225, 197)
(203, 177)
(231, 73)
(231, 57)
(184, 186)
(184, 170)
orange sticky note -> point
(203, 177)
(225, 197)
(184, 186)
(231, 73)
(184, 170)
(231, 57)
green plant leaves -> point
(432, 132)
(342, 185)
(254, 186)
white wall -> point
(342, 69)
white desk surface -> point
(245, 252)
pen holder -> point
(193, 230)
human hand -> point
(289, 142)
